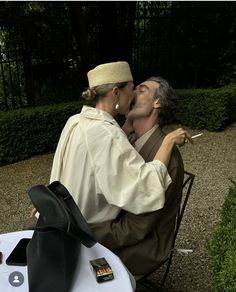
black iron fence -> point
(12, 92)
(26, 80)
(34, 73)
(168, 40)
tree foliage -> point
(191, 44)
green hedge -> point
(30, 131)
(27, 132)
(211, 109)
(223, 246)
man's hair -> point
(168, 101)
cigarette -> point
(193, 137)
(198, 135)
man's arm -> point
(127, 230)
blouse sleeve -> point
(124, 178)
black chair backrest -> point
(146, 284)
(187, 187)
(186, 190)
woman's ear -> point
(156, 103)
(116, 91)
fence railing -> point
(34, 73)
(12, 92)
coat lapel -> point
(152, 145)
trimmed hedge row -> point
(30, 131)
(222, 247)
(211, 109)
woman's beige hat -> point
(114, 72)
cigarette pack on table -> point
(102, 270)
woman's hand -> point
(179, 136)
(128, 127)
(129, 131)
(33, 212)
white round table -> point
(85, 280)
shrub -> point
(211, 109)
(222, 247)
(30, 131)
(27, 132)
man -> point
(143, 241)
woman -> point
(96, 162)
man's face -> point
(144, 100)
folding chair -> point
(148, 284)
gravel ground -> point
(212, 159)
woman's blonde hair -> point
(101, 91)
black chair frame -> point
(146, 283)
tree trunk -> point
(28, 70)
(116, 31)
(80, 30)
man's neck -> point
(142, 125)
